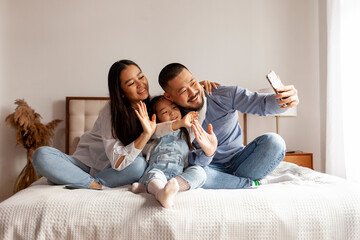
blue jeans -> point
(254, 162)
(63, 169)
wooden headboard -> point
(82, 112)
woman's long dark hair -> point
(125, 125)
(152, 110)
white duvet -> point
(319, 206)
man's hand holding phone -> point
(287, 94)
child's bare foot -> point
(138, 188)
(166, 195)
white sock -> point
(154, 186)
(270, 180)
(137, 187)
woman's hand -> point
(209, 85)
(147, 125)
(189, 119)
(207, 141)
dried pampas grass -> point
(31, 134)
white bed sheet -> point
(318, 207)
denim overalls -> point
(167, 161)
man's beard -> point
(198, 108)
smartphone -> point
(72, 187)
(274, 81)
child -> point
(166, 175)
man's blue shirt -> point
(221, 111)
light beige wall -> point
(53, 49)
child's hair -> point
(152, 110)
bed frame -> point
(81, 114)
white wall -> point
(53, 49)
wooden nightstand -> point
(301, 159)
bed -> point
(320, 206)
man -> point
(232, 165)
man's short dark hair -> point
(170, 72)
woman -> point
(110, 154)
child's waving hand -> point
(148, 125)
(189, 119)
